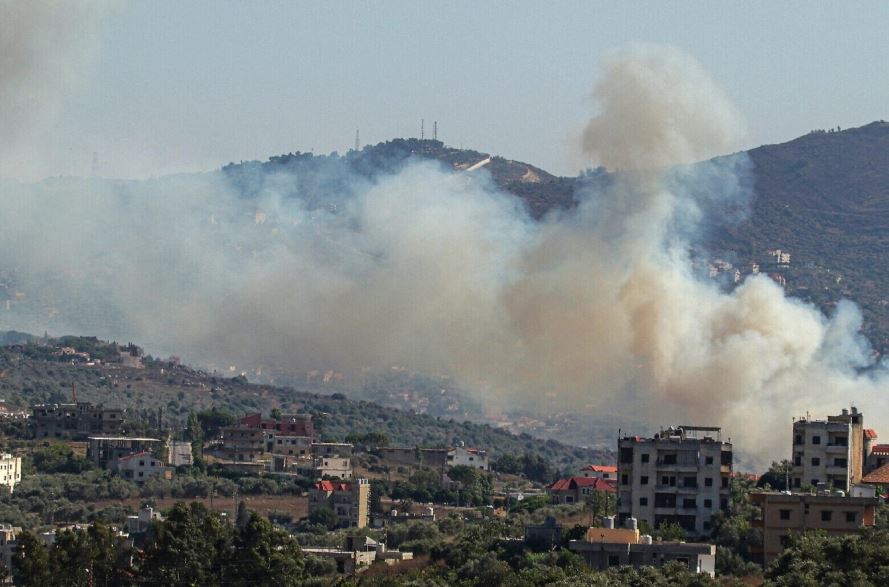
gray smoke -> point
(439, 271)
(44, 47)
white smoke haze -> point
(45, 45)
(441, 272)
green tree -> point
(190, 547)
(30, 562)
(323, 517)
(195, 434)
(264, 555)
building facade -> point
(607, 547)
(607, 472)
(245, 444)
(285, 425)
(577, 489)
(350, 502)
(681, 475)
(469, 457)
(10, 471)
(830, 453)
(784, 514)
(75, 421)
(105, 450)
(140, 467)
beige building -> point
(681, 475)
(784, 514)
(140, 467)
(829, 452)
(10, 471)
(350, 502)
(606, 547)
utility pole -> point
(357, 141)
(434, 130)
(422, 123)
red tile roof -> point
(137, 454)
(573, 483)
(878, 476)
(601, 468)
(870, 433)
(331, 486)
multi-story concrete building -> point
(784, 514)
(78, 420)
(681, 476)
(10, 471)
(279, 444)
(350, 502)
(105, 450)
(243, 443)
(829, 452)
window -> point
(797, 482)
(851, 517)
(798, 461)
(708, 461)
(626, 455)
(840, 462)
(816, 440)
(624, 479)
(665, 480)
(785, 514)
(689, 503)
(723, 503)
(708, 503)
(826, 515)
(724, 482)
(689, 481)
(670, 459)
(643, 480)
(643, 501)
(645, 457)
(816, 461)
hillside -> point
(38, 372)
(824, 198)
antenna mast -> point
(434, 130)
(357, 141)
(422, 123)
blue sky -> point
(182, 86)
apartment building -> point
(784, 514)
(830, 453)
(284, 425)
(350, 502)
(681, 475)
(243, 443)
(10, 471)
(75, 421)
(140, 467)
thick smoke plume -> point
(597, 308)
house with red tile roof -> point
(576, 489)
(350, 502)
(607, 472)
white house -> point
(471, 457)
(139, 467)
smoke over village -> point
(440, 271)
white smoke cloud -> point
(441, 272)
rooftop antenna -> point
(434, 130)
(357, 140)
(422, 123)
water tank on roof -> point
(393, 513)
(608, 522)
(645, 539)
(632, 523)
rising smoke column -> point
(597, 308)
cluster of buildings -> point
(682, 475)
(436, 458)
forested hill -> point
(41, 371)
(823, 198)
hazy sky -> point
(180, 86)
